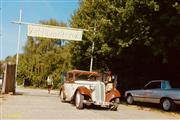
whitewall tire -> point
(79, 100)
(167, 104)
(130, 99)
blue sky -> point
(32, 11)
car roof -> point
(83, 72)
(157, 80)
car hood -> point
(84, 82)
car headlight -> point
(109, 86)
(92, 87)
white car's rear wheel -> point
(79, 100)
(167, 104)
(130, 99)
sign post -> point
(18, 42)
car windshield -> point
(91, 77)
(153, 85)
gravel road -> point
(38, 104)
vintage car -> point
(87, 88)
(156, 91)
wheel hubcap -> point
(129, 99)
(166, 104)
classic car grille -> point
(99, 93)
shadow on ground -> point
(152, 106)
(91, 107)
(94, 107)
(18, 93)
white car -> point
(157, 91)
(86, 88)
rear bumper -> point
(102, 104)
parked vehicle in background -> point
(156, 91)
(88, 88)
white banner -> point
(54, 32)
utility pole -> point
(18, 42)
(92, 57)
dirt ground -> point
(38, 104)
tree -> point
(96, 14)
(138, 40)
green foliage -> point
(134, 38)
(1, 68)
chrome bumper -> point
(102, 104)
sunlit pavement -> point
(38, 104)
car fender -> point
(114, 93)
(61, 88)
(84, 91)
(127, 93)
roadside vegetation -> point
(137, 40)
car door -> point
(68, 86)
(151, 92)
(138, 95)
(68, 90)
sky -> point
(33, 11)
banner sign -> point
(54, 32)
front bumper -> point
(102, 104)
